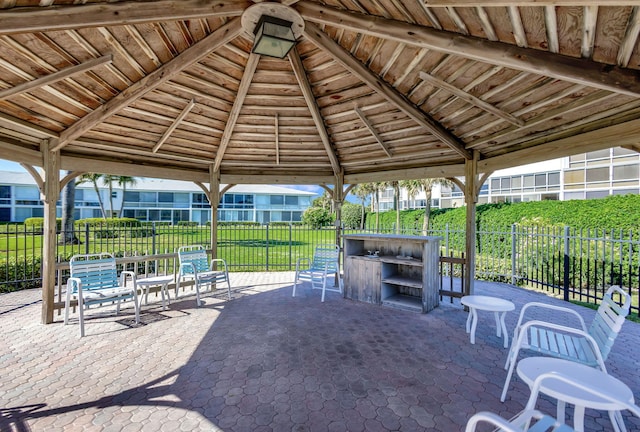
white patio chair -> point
(194, 264)
(94, 281)
(325, 263)
(590, 347)
(532, 420)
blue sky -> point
(13, 166)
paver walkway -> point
(267, 362)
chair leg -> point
(178, 285)
(228, 288)
(507, 380)
(324, 287)
(295, 283)
(197, 284)
(66, 307)
(81, 313)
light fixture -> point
(274, 37)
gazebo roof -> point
(374, 89)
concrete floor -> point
(265, 361)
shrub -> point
(20, 273)
(187, 223)
(112, 222)
(37, 223)
(351, 215)
(317, 217)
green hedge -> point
(21, 273)
(111, 222)
(618, 211)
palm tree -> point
(362, 191)
(108, 180)
(414, 187)
(93, 178)
(396, 200)
(377, 187)
(67, 236)
(123, 181)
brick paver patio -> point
(267, 362)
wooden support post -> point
(338, 199)
(214, 201)
(50, 193)
(471, 198)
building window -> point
(625, 172)
(597, 194)
(165, 197)
(575, 176)
(597, 174)
(277, 199)
(291, 200)
(554, 179)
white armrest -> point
(551, 307)
(564, 329)
(218, 261)
(302, 260)
(123, 278)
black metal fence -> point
(575, 264)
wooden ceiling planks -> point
(351, 64)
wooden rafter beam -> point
(337, 52)
(580, 71)
(56, 76)
(174, 125)
(307, 92)
(243, 88)
(375, 134)
(488, 3)
(622, 134)
(630, 39)
(277, 139)
(472, 99)
(40, 19)
(156, 78)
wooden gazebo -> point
(373, 90)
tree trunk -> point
(396, 204)
(67, 236)
(427, 212)
(377, 212)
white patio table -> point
(486, 303)
(161, 281)
(530, 368)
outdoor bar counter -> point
(392, 270)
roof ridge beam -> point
(323, 41)
(150, 82)
(580, 71)
(40, 19)
(243, 89)
(314, 109)
(56, 76)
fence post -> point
(566, 264)
(290, 243)
(86, 238)
(513, 254)
(153, 237)
(267, 248)
(446, 239)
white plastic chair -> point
(194, 264)
(528, 420)
(325, 263)
(532, 420)
(590, 347)
(94, 281)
